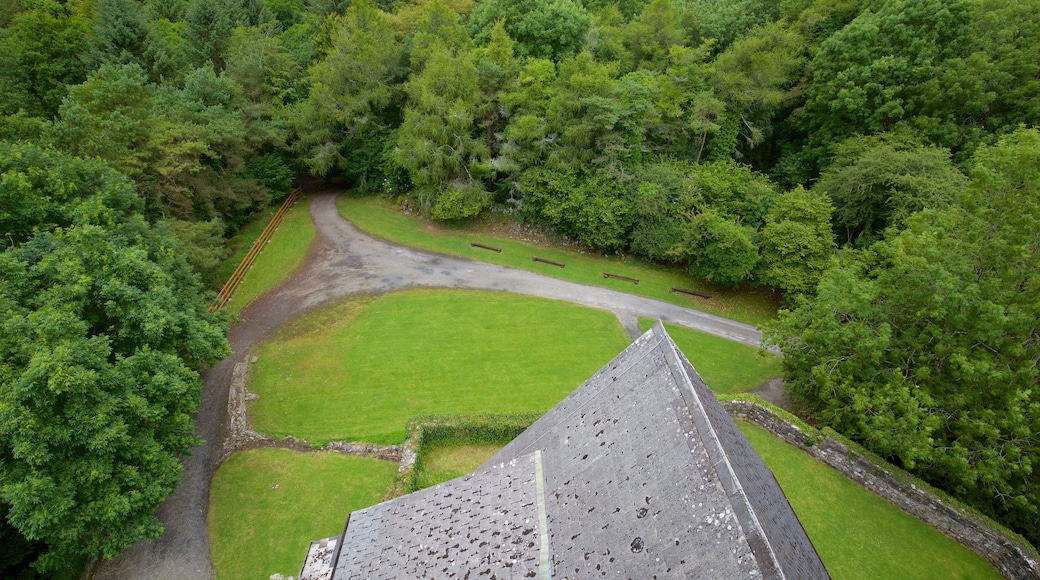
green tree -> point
(103, 330)
(202, 243)
(200, 148)
(346, 120)
(933, 65)
(549, 29)
(110, 116)
(39, 56)
(258, 62)
(167, 52)
(733, 189)
(881, 180)
(120, 33)
(716, 248)
(797, 242)
(753, 77)
(593, 209)
(727, 21)
(664, 194)
(924, 348)
(438, 143)
(209, 26)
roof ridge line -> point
(673, 353)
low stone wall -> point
(240, 437)
(1012, 556)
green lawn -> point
(362, 370)
(445, 462)
(267, 505)
(726, 366)
(377, 217)
(284, 253)
(856, 533)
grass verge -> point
(361, 370)
(283, 254)
(859, 534)
(377, 217)
(726, 366)
(267, 505)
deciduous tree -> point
(925, 347)
(102, 332)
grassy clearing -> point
(362, 370)
(266, 505)
(856, 533)
(442, 463)
(725, 366)
(283, 254)
(377, 217)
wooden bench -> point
(619, 276)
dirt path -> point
(345, 261)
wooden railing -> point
(258, 246)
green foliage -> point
(42, 191)
(727, 21)
(664, 194)
(923, 349)
(438, 142)
(753, 77)
(549, 29)
(104, 328)
(594, 210)
(201, 243)
(259, 63)
(950, 69)
(170, 10)
(273, 171)
(348, 116)
(881, 180)
(120, 33)
(732, 189)
(209, 26)
(797, 242)
(717, 249)
(167, 52)
(110, 116)
(188, 149)
(39, 57)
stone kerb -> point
(1012, 556)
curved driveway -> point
(345, 261)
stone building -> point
(639, 473)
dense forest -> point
(875, 161)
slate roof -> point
(639, 473)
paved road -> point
(344, 261)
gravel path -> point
(345, 261)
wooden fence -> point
(258, 246)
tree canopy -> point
(103, 331)
(924, 347)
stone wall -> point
(1012, 556)
(239, 436)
